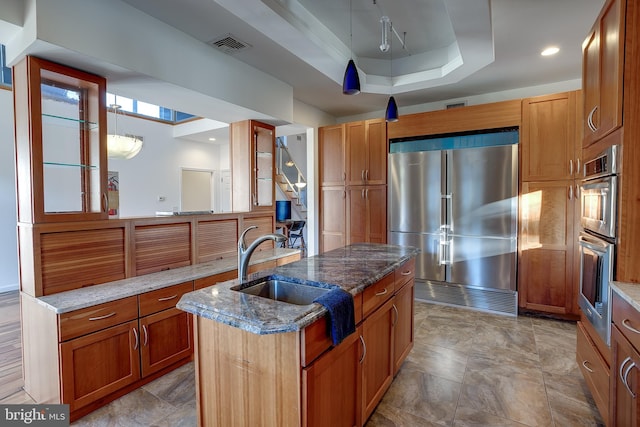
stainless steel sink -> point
(282, 290)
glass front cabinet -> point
(60, 142)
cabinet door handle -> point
(625, 323)
(364, 349)
(570, 192)
(584, 363)
(622, 365)
(626, 382)
(590, 123)
(106, 316)
(366, 193)
(578, 166)
(344, 176)
(406, 273)
(105, 202)
(395, 321)
(382, 292)
(146, 335)
(362, 195)
(137, 342)
(362, 175)
(367, 175)
(167, 298)
(570, 166)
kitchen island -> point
(271, 363)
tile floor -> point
(467, 368)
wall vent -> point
(457, 105)
(228, 44)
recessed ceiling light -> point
(550, 51)
(212, 139)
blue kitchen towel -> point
(342, 322)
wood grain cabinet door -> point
(626, 385)
(331, 386)
(377, 364)
(98, 364)
(332, 153)
(403, 325)
(165, 338)
(545, 276)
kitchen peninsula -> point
(271, 363)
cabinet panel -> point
(101, 316)
(356, 153)
(377, 151)
(626, 384)
(594, 369)
(204, 282)
(325, 403)
(74, 259)
(98, 364)
(162, 299)
(403, 325)
(603, 64)
(376, 294)
(332, 218)
(332, 155)
(377, 213)
(162, 246)
(546, 239)
(377, 367)
(265, 225)
(548, 135)
(217, 239)
(166, 338)
(60, 120)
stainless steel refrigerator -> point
(456, 198)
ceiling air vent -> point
(228, 44)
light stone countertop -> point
(76, 299)
(353, 268)
(630, 292)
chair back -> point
(297, 226)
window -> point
(5, 72)
(145, 109)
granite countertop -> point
(630, 292)
(76, 299)
(352, 268)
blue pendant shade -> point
(391, 115)
(351, 82)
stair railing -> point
(288, 168)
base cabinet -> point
(340, 407)
(626, 384)
(98, 364)
(403, 326)
(594, 369)
(166, 339)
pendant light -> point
(351, 81)
(122, 146)
(391, 114)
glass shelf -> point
(70, 165)
(67, 121)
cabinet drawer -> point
(376, 294)
(627, 318)
(204, 282)
(91, 319)
(594, 369)
(405, 273)
(161, 299)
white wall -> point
(156, 170)
(8, 215)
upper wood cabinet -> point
(602, 72)
(332, 155)
(366, 143)
(252, 166)
(549, 137)
(60, 129)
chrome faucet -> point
(244, 253)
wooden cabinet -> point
(162, 246)
(96, 365)
(548, 274)
(61, 153)
(166, 338)
(340, 406)
(548, 137)
(367, 214)
(602, 72)
(403, 325)
(353, 176)
(625, 347)
(252, 149)
(366, 143)
(595, 370)
(377, 363)
(547, 246)
(333, 214)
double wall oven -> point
(598, 238)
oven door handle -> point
(593, 244)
